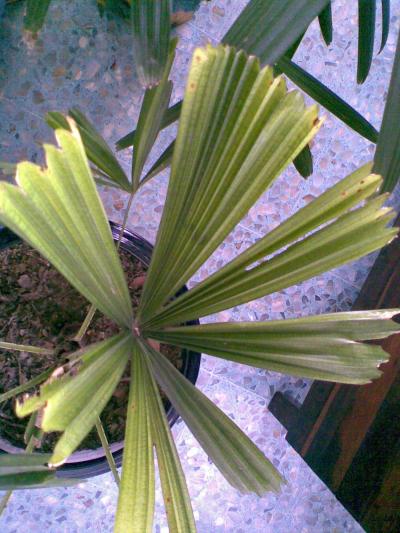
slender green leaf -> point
(72, 403)
(238, 130)
(385, 23)
(36, 11)
(320, 347)
(175, 492)
(59, 212)
(34, 480)
(29, 470)
(97, 150)
(172, 114)
(23, 460)
(387, 156)
(136, 496)
(154, 106)
(328, 99)
(353, 234)
(268, 29)
(25, 348)
(366, 35)
(325, 23)
(304, 162)
(234, 454)
(162, 162)
(151, 30)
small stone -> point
(83, 42)
(38, 97)
(25, 281)
(220, 11)
(58, 72)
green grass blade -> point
(26, 386)
(387, 156)
(58, 211)
(234, 454)
(328, 99)
(320, 347)
(136, 496)
(325, 23)
(25, 348)
(366, 36)
(151, 34)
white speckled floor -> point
(80, 59)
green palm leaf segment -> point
(234, 454)
(366, 35)
(346, 235)
(321, 347)
(151, 31)
(387, 156)
(238, 130)
(268, 28)
(154, 107)
(59, 212)
(29, 470)
(36, 11)
(147, 425)
(72, 403)
(96, 148)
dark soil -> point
(39, 307)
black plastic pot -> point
(85, 464)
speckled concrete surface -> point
(80, 59)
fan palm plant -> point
(239, 129)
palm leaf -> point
(353, 234)
(171, 115)
(26, 386)
(304, 162)
(59, 212)
(268, 29)
(176, 496)
(234, 454)
(152, 112)
(72, 403)
(36, 11)
(151, 31)
(320, 347)
(385, 23)
(97, 150)
(328, 99)
(29, 470)
(387, 156)
(238, 130)
(136, 495)
(366, 35)
(325, 23)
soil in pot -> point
(39, 307)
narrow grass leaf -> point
(366, 36)
(325, 23)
